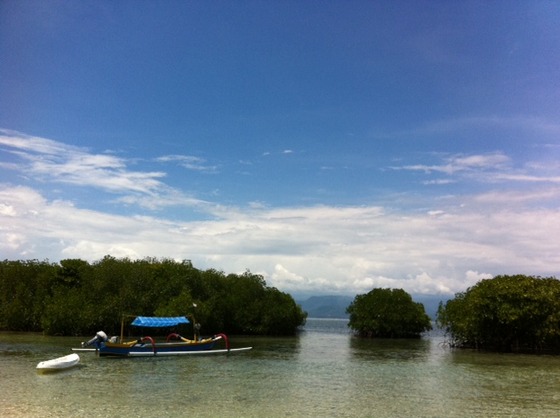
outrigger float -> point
(174, 344)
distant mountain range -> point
(326, 306)
(431, 302)
(335, 306)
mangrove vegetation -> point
(507, 313)
(387, 313)
(75, 297)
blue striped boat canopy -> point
(158, 321)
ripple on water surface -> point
(322, 372)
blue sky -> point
(332, 146)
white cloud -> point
(528, 178)
(473, 277)
(439, 181)
(515, 197)
(18, 141)
(462, 163)
(52, 161)
(443, 248)
(189, 162)
(489, 169)
(310, 249)
(7, 210)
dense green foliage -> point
(75, 297)
(506, 313)
(388, 313)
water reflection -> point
(323, 371)
(326, 325)
(389, 349)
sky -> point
(331, 146)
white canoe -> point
(60, 363)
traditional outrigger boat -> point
(174, 344)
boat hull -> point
(174, 345)
(155, 349)
(190, 353)
(58, 364)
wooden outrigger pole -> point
(122, 325)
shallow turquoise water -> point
(324, 372)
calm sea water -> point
(323, 372)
